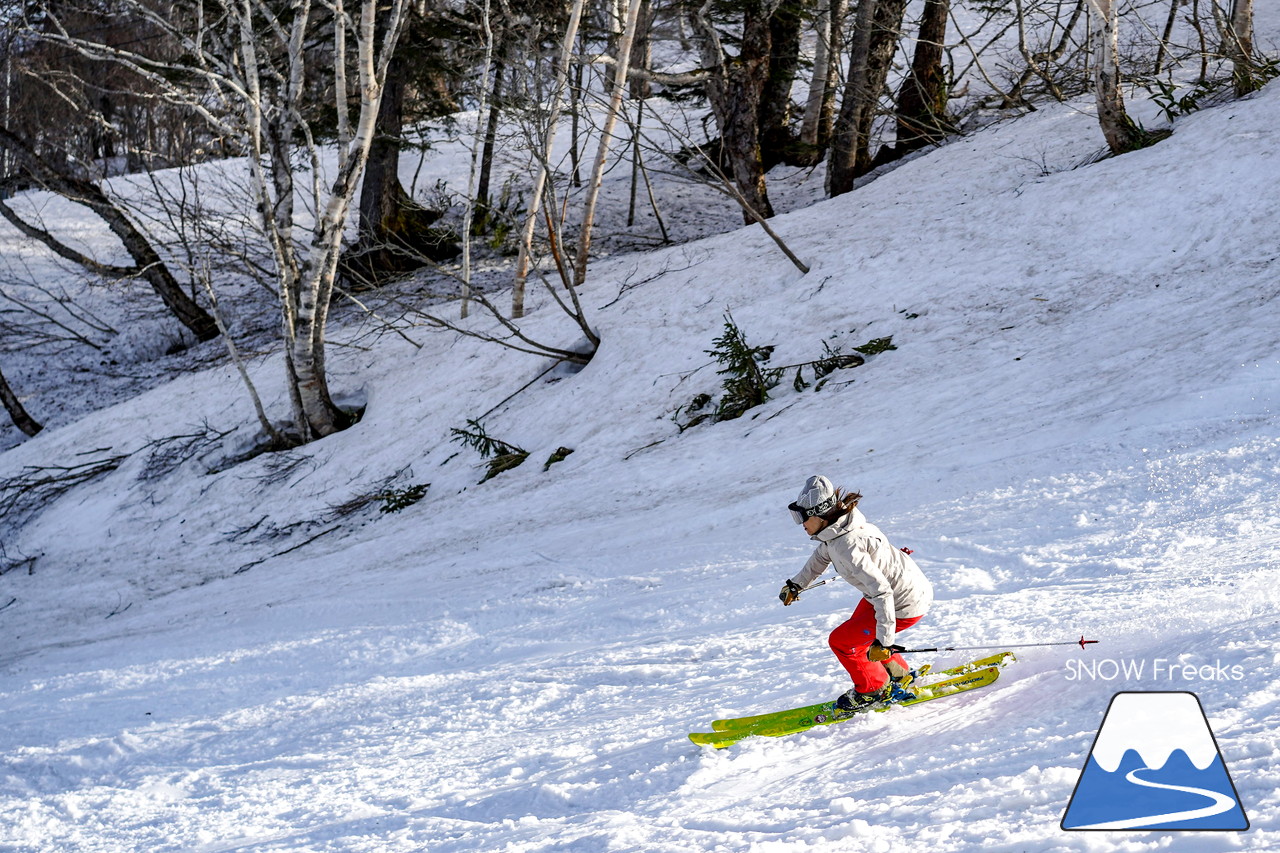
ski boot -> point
(851, 700)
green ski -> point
(935, 678)
(825, 713)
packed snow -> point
(1076, 433)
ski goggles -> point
(800, 514)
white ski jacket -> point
(862, 555)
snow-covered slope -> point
(1076, 434)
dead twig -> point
(28, 493)
(247, 566)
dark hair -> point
(845, 502)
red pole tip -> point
(1084, 642)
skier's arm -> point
(813, 567)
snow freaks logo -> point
(1155, 766)
(1160, 669)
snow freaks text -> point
(1158, 669)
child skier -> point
(897, 594)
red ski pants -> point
(851, 640)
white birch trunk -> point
(1117, 127)
(481, 123)
(818, 82)
(606, 139)
(306, 283)
(273, 188)
(320, 271)
(1240, 48)
(544, 159)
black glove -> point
(790, 592)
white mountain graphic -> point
(1154, 724)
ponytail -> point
(845, 503)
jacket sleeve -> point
(813, 567)
(870, 580)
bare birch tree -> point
(819, 108)
(1119, 130)
(246, 68)
(307, 278)
(544, 159)
(481, 137)
(1239, 38)
(619, 87)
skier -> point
(897, 594)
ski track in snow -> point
(514, 666)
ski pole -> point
(818, 584)
(1082, 642)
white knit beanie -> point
(818, 496)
